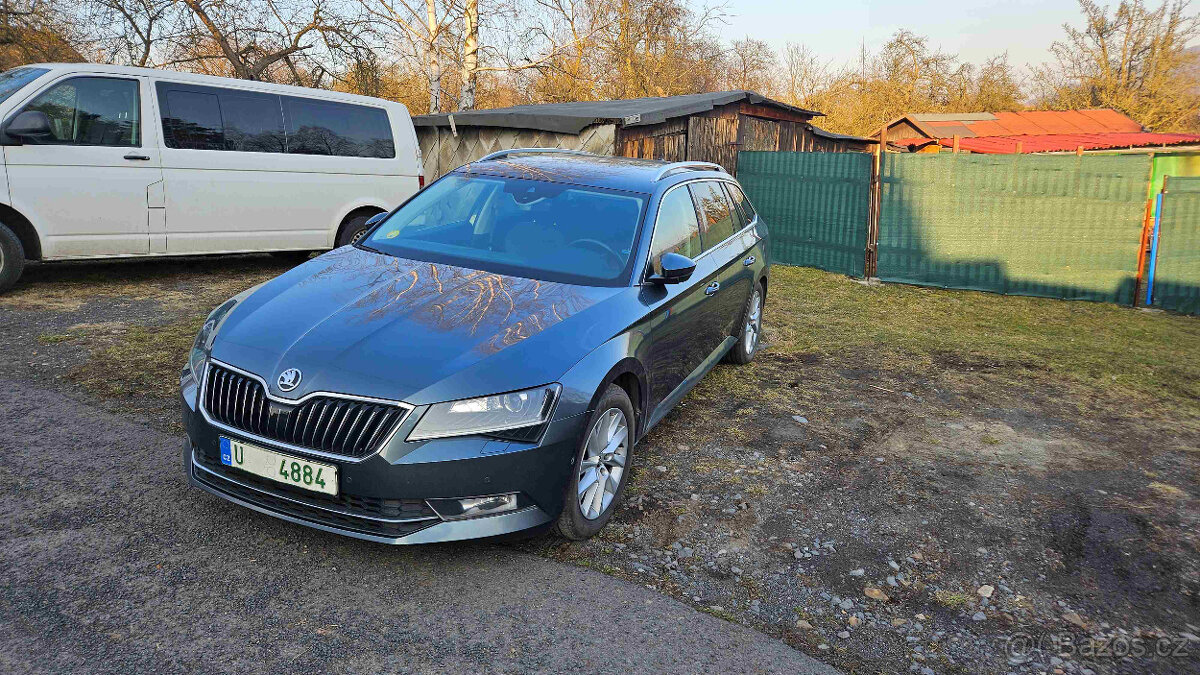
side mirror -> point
(373, 220)
(675, 269)
(30, 126)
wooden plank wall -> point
(657, 141)
(718, 135)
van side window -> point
(677, 229)
(339, 129)
(716, 217)
(191, 119)
(253, 122)
(92, 111)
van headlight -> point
(487, 414)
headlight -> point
(488, 414)
(202, 345)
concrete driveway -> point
(109, 563)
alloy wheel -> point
(753, 324)
(603, 465)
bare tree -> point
(130, 31)
(36, 30)
(1135, 59)
(421, 29)
(289, 40)
(750, 65)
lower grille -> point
(328, 424)
(359, 514)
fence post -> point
(1154, 243)
(1147, 228)
(871, 261)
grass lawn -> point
(1152, 357)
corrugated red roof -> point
(1029, 123)
(1057, 142)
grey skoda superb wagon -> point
(484, 360)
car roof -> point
(603, 171)
(214, 81)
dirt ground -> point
(879, 500)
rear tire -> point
(354, 229)
(602, 461)
(749, 329)
(12, 258)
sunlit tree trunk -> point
(470, 64)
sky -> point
(973, 29)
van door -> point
(86, 187)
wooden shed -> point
(700, 127)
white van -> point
(106, 161)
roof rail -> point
(501, 154)
(677, 167)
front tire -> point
(12, 258)
(751, 329)
(601, 470)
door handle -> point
(712, 288)
(749, 261)
(143, 158)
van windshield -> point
(12, 80)
(526, 228)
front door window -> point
(92, 111)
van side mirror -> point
(31, 126)
(674, 268)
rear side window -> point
(739, 200)
(191, 119)
(253, 122)
(92, 111)
(716, 213)
(677, 229)
(337, 129)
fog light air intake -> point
(478, 507)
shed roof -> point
(1056, 142)
(1025, 123)
(817, 131)
(573, 117)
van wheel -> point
(12, 258)
(354, 229)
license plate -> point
(281, 468)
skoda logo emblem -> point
(289, 379)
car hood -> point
(357, 322)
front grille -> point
(360, 514)
(336, 426)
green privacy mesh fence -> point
(815, 204)
(1177, 263)
(1045, 225)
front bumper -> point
(382, 498)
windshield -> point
(12, 80)
(520, 227)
